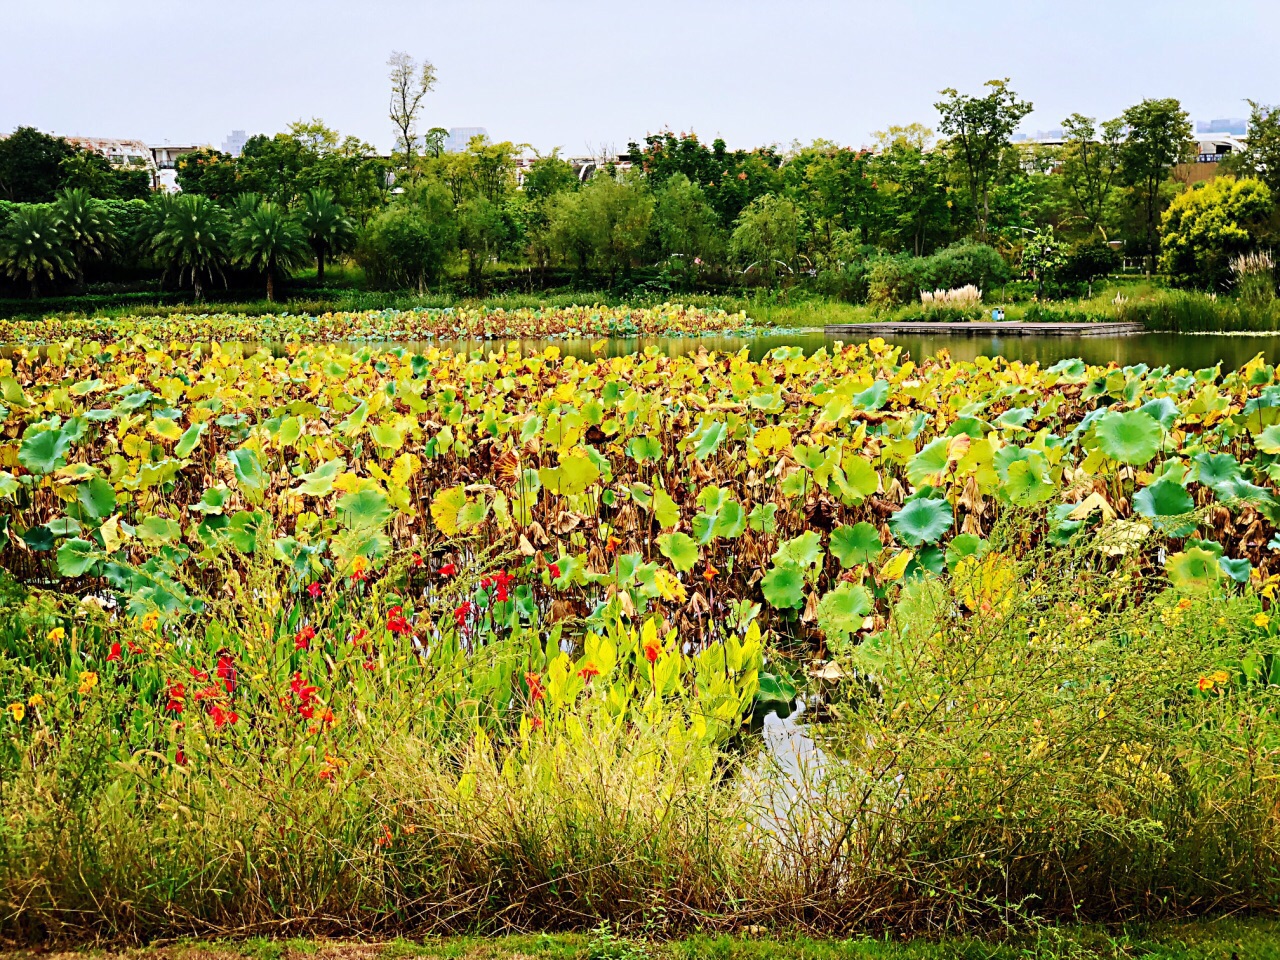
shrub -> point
(407, 244)
(900, 279)
(1208, 225)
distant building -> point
(235, 143)
(1234, 125)
(166, 160)
(460, 137)
(127, 154)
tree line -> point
(961, 202)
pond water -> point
(1192, 351)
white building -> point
(128, 154)
(166, 161)
(235, 143)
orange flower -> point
(710, 573)
(652, 649)
(1205, 684)
(612, 544)
(588, 671)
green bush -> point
(406, 245)
(900, 279)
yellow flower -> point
(36, 700)
(1220, 676)
(1261, 620)
(88, 680)
(359, 565)
(150, 620)
(17, 711)
(1184, 604)
(56, 634)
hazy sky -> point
(590, 75)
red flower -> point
(448, 569)
(370, 664)
(396, 621)
(418, 561)
(302, 641)
(360, 576)
(226, 672)
(536, 692)
(535, 723)
(462, 612)
(135, 648)
(652, 649)
(222, 716)
(588, 671)
(207, 693)
(555, 571)
(200, 675)
(114, 655)
(314, 590)
(499, 583)
(177, 693)
(305, 693)
(180, 758)
(359, 635)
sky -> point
(591, 76)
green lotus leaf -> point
(1193, 571)
(929, 462)
(45, 451)
(804, 550)
(783, 586)
(1131, 438)
(921, 521)
(189, 440)
(857, 544)
(842, 610)
(680, 549)
(364, 509)
(97, 497)
(1162, 499)
(763, 518)
(77, 557)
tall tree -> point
(1159, 135)
(31, 165)
(978, 131)
(410, 83)
(270, 240)
(327, 227)
(34, 245)
(1091, 163)
(1261, 158)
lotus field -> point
(355, 638)
(463, 323)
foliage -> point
(327, 227)
(35, 245)
(87, 226)
(1157, 138)
(1091, 164)
(192, 238)
(31, 165)
(270, 240)
(406, 245)
(1205, 227)
(978, 130)
(766, 237)
(410, 83)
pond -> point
(1192, 351)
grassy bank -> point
(1239, 939)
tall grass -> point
(1182, 311)
(1034, 737)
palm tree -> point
(270, 240)
(327, 227)
(91, 233)
(192, 238)
(34, 245)
(243, 205)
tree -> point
(570, 231)
(1043, 257)
(406, 245)
(620, 211)
(89, 230)
(209, 172)
(193, 239)
(917, 213)
(1158, 137)
(687, 226)
(271, 241)
(410, 83)
(433, 142)
(481, 231)
(326, 225)
(31, 165)
(34, 245)
(545, 178)
(978, 131)
(730, 179)
(1208, 225)
(1261, 158)
(1089, 260)
(767, 235)
(1091, 163)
